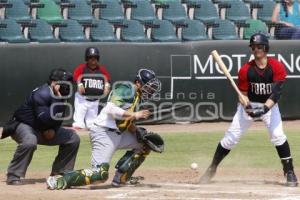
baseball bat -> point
(224, 69)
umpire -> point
(38, 121)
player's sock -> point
(287, 163)
(284, 150)
(220, 154)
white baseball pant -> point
(85, 111)
(242, 121)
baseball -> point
(194, 166)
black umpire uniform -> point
(33, 119)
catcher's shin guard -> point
(127, 165)
(79, 178)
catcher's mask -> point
(150, 84)
(63, 78)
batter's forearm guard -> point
(276, 91)
(83, 177)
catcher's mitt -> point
(152, 140)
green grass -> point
(254, 151)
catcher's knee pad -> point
(86, 176)
(129, 163)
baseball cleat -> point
(291, 179)
(208, 175)
(133, 181)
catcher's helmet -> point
(150, 84)
(259, 39)
(92, 52)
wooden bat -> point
(223, 67)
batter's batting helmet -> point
(150, 84)
(259, 39)
(92, 52)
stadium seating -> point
(265, 13)
(103, 31)
(206, 12)
(111, 10)
(237, 11)
(50, 12)
(127, 20)
(142, 11)
(81, 11)
(11, 32)
(174, 12)
(72, 32)
(163, 31)
(18, 11)
(224, 31)
(194, 30)
(133, 31)
(255, 26)
(41, 32)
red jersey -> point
(258, 82)
(92, 80)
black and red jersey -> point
(258, 82)
(92, 80)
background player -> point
(39, 122)
(261, 81)
(93, 81)
(115, 129)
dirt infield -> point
(169, 184)
(166, 185)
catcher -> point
(114, 128)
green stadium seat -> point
(174, 12)
(238, 11)
(42, 32)
(103, 31)
(133, 31)
(224, 31)
(255, 26)
(81, 11)
(265, 13)
(11, 32)
(194, 30)
(142, 11)
(163, 31)
(72, 32)
(50, 12)
(111, 11)
(206, 12)
(19, 11)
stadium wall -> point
(193, 87)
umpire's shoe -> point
(291, 179)
(208, 175)
(14, 180)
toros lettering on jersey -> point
(261, 88)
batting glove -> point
(258, 111)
